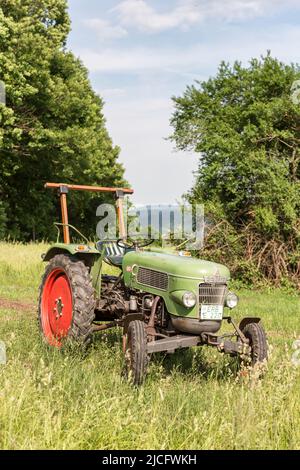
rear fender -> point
(88, 254)
(72, 249)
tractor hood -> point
(174, 265)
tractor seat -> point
(113, 253)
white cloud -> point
(134, 59)
(111, 92)
(105, 30)
(198, 57)
(139, 14)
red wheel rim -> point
(56, 307)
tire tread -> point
(82, 293)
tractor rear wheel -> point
(136, 356)
(66, 302)
(256, 335)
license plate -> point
(211, 312)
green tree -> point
(52, 127)
(246, 128)
(3, 220)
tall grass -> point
(194, 399)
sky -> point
(140, 53)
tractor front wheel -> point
(66, 302)
(136, 356)
(256, 335)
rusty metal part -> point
(209, 339)
(95, 189)
(64, 213)
(124, 343)
(160, 335)
(115, 284)
(105, 326)
(172, 343)
(193, 326)
(150, 327)
(233, 347)
(224, 345)
(63, 190)
(113, 304)
(238, 331)
(120, 213)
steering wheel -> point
(129, 243)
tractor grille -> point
(210, 294)
(152, 278)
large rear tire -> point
(136, 356)
(66, 302)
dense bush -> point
(246, 128)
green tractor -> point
(162, 302)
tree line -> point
(244, 123)
(52, 127)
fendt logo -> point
(155, 222)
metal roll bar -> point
(63, 190)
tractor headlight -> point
(231, 300)
(189, 299)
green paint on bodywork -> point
(181, 266)
(177, 295)
(185, 274)
(96, 273)
(58, 248)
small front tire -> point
(136, 356)
(256, 335)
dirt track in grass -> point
(16, 305)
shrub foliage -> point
(245, 124)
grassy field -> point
(192, 400)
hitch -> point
(227, 346)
